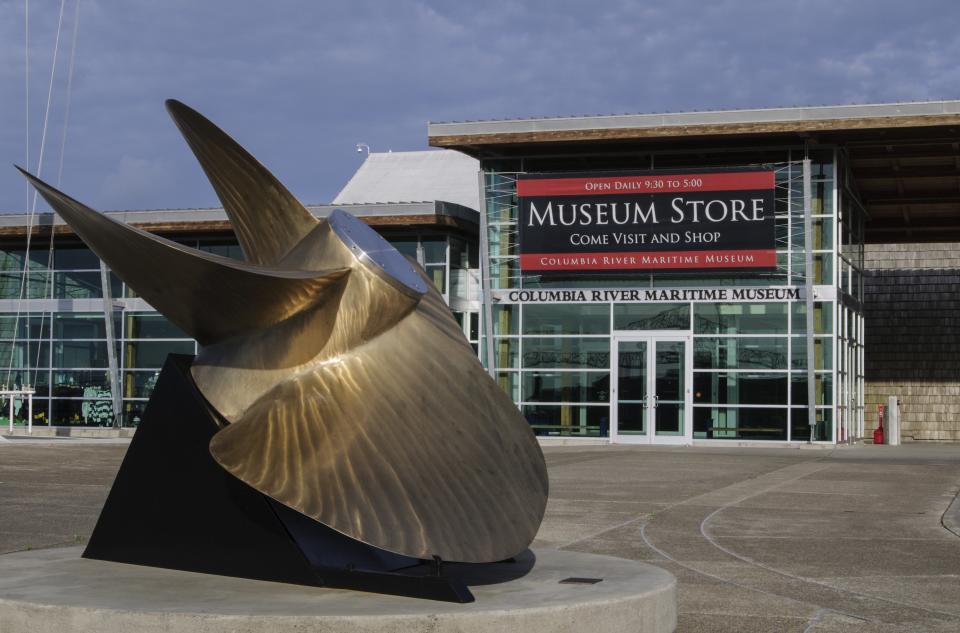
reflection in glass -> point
(36, 286)
(562, 318)
(739, 388)
(82, 412)
(822, 266)
(568, 419)
(566, 386)
(503, 272)
(740, 353)
(740, 318)
(82, 325)
(823, 390)
(822, 353)
(735, 423)
(438, 275)
(12, 259)
(32, 326)
(462, 253)
(77, 285)
(152, 354)
(24, 354)
(506, 353)
(509, 382)
(151, 325)
(566, 353)
(822, 234)
(669, 401)
(434, 251)
(139, 384)
(74, 258)
(506, 319)
(822, 317)
(133, 412)
(651, 316)
(80, 354)
(632, 387)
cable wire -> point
(33, 206)
(63, 148)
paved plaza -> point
(856, 539)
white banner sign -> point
(658, 295)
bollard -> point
(893, 421)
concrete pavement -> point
(774, 540)
(852, 539)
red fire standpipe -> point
(878, 432)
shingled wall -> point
(912, 308)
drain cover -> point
(574, 580)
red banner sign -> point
(678, 220)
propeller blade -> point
(209, 297)
(267, 219)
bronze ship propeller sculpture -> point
(340, 385)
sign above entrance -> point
(656, 295)
(691, 220)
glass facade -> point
(694, 369)
(55, 339)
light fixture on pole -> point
(363, 146)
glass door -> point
(650, 390)
(631, 389)
(669, 400)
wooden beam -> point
(942, 198)
(943, 151)
(910, 172)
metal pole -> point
(30, 413)
(485, 295)
(808, 287)
(111, 343)
(11, 412)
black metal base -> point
(173, 506)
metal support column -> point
(485, 296)
(808, 287)
(111, 344)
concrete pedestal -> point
(56, 591)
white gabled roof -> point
(424, 176)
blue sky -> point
(300, 83)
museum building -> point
(703, 277)
(55, 338)
(688, 278)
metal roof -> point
(414, 177)
(396, 214)
(689, 123)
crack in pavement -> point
(730, 496)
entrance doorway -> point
(651, 393)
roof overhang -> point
(214, 221)
(904, 158)
(775, 121)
